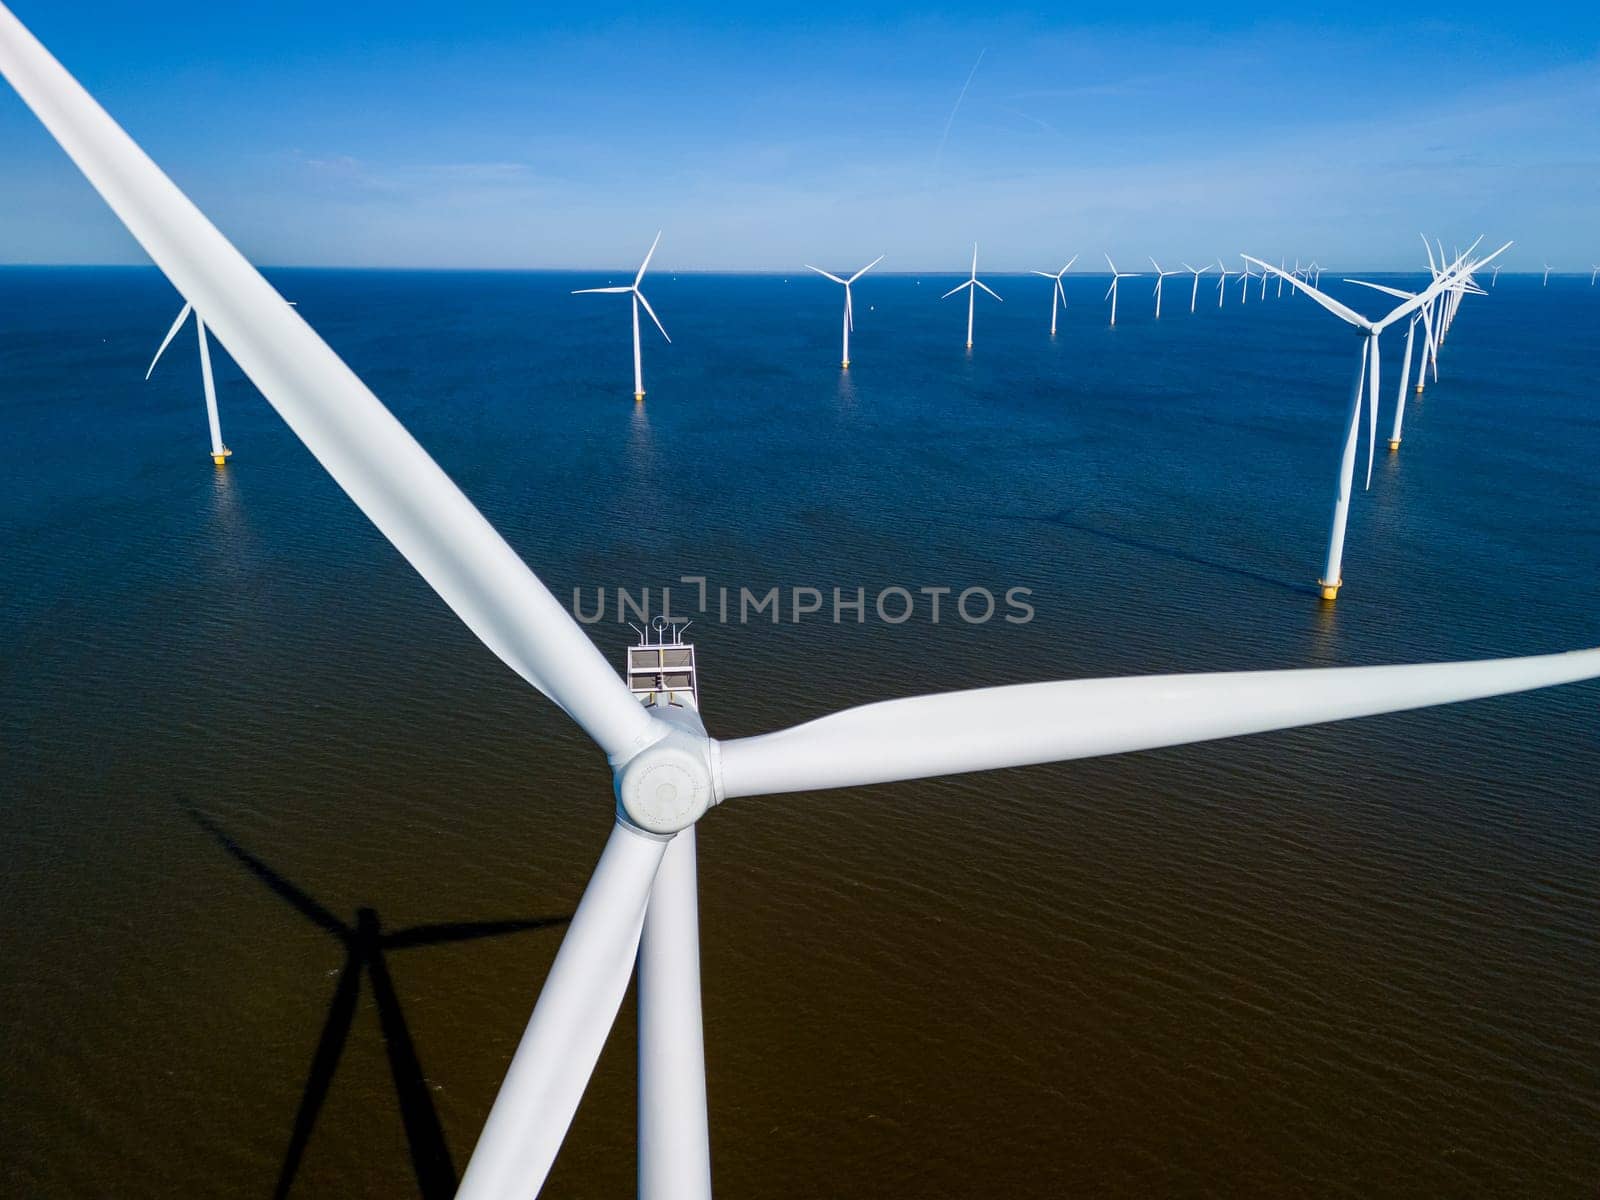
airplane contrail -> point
(951, 119)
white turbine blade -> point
(569, 1025)
(1110, 289)
(1378, 287)
(183, 315)
(1156, 265)
(849, 310)
(867, 268)
(974, 260)
(1046, 274)
(1328, 302)
(1015, 726)
(1445, 280)
(597, 291)
(988, 289)
(1431, 267)
(368, 453)
(1111, 264)
(645, 265)
(1068, 267)
(1189, 269)
(652, 313)
(824, 274)
(964, 284)
(1061, 292)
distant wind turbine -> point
(1222, 280)
(1494, 276)
(1194, 293)
(1546, 275)
(972, 285)
(1245, 276)
(638, 299)
(849, 310)
(1111, 292)
(219, 452)
(1332, 578)
(1282, 263)
(1058, 294)
(1592, 275)
(1161, 277)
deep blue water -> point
(1352, 960)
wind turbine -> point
(638, 299)
(640, 906)
(1282, 263)
(972, 285)
(1194, 292)
(1245, 277)
(1593, 274)
(1222, 280)
(219, 452)
(1161, 277)
(1314, 273)
(849, 310)
(1058, 294)
(1546, 275)
(1332, 577)
(1494, 277)
(1111, 292)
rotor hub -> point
(668, 786)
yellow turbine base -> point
(969, 345)
(1330, 591)
(845, 364)
(638, 396)
(221, 459)
(1419, 389)
(1394, 443)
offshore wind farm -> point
(811, 594)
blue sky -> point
(484, 133)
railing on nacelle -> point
(661, 667)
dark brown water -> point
(1358, 960)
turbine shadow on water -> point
(1066, 521)
(365, 945)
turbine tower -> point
(1194, 292)
(219, 452)
(849, 309)
(1058, 294)
(972, 285)
(638, 299)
